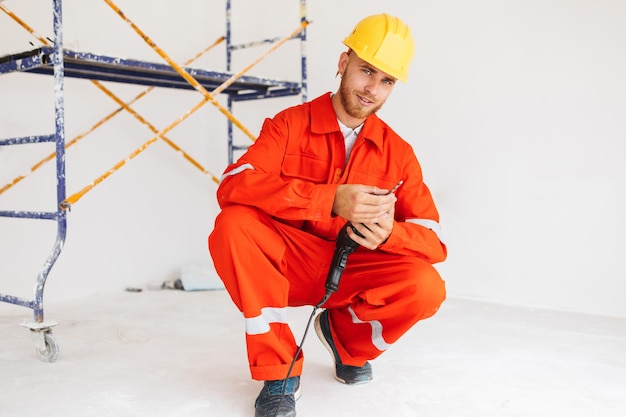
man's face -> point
(363, 88)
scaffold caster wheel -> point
(50, 349)
(45, 343)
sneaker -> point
(269, 404)
(351, 375)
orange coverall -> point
(274, 238)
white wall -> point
(515, 108)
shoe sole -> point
(298, 393)
(322, 337)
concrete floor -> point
(172, 353)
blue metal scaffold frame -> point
(62, 63)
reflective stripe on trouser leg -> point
(377, 331)
(381, 296)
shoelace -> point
(276, 388)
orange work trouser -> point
(267, 266)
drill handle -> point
(344, 246)
(337, 266)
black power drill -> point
(344, 246)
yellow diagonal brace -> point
(24, 25)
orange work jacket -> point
(293, 169)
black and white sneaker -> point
(351, 375)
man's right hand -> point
(360, 203)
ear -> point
(343, 62)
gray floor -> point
(173, 353)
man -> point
(314, 167)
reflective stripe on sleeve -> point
(429, 224)
(261, 323)
(237, 170)
(377, 331)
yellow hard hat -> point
(385, 42)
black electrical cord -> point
(299, 350)
(344, 246)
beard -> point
(353, 107)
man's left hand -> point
(374, 233)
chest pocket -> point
(378, 177)
(307, 167)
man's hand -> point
(363, 203)
(370, 209)
(374, 233)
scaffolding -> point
(53, 59)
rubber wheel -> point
(50, 353)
